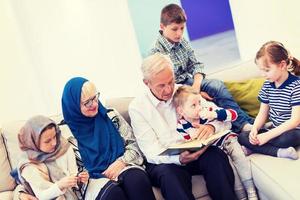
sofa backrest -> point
(121, 105)
(239, 72)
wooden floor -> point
(217, 51)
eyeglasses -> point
(88, 103)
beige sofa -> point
(275, 178)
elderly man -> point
(153, 119)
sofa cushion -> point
(276, 178)
(245, 94)
(6, 181)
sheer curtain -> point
(45, 43)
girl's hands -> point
(113, 171)
(253, 136)
(259, 139)
(67, 182)
(263, 138)
(83, 177)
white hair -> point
(154, 64)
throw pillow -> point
(245, 94)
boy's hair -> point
(155, 63)
(172, 13)
(181, 95)
(276, 52)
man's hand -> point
(204, 131)
(186, 157)
(113, 171)
(25, 196)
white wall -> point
(258, 21)
(45, 43)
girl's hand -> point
(83, 177)
(113, 171)
(67, 182)
(263, 138)
(253, 137)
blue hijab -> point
(99, 142)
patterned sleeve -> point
(194, 66)
(295, 96)
(263, 93)
(132, 154)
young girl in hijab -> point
(109, 151)
(48, 167)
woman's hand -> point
(253, 137)
(83, 177)
(67, 182)
(113, 171)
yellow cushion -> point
(245, 94)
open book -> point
(193, 145)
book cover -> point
(193, 145)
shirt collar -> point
(291, 78)
(156, 101)
(168, 45)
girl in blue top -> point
(280, 102)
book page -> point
(193, 145)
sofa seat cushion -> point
(6, 181)
(276, 178)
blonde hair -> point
(181, 95)
(88, 89)
(154, 64)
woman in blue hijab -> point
(106, 143)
